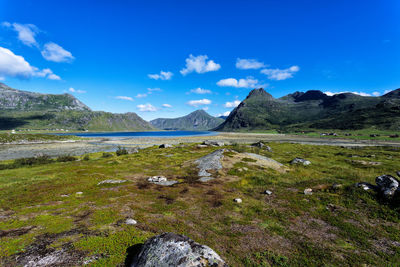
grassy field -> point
(41, 212)
(23, 137)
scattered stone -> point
(245, 169)
(130, 221)
(161, 180)
(331, 207)
(300, 161)
(387, 184)
(132, 150)
(336, 186)
(238, 200)
(205, 179)
(112, 182)
(261, 145)
(78, 193)
(366, 186)
(170, 249)
(202, 146)
(210, 162)
(213, 143)
(267, 192)
(308, 191)
(165, 146)
(64, 195)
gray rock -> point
(300, 161)
(398, 173)
(161, 180)
(170, 250)
(238, 200)
(308, 191)
(209, 162)
(165, 146)
(130, 221)
(213, 143)
(110, 181)
(387, 185)
(132, 150)
(261, 145)
(205, 179)
(267, 192)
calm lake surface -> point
(144, 134)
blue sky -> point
(111, 53)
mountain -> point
(198, 120)
(222, 117)
(28, 110)
(314, 109)
(12, 99)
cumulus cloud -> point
(151, 90)
(200, 91)
(200, 102)
(73, 90)
(146, 107)
(166, 105)
(164, 75)
(376, 94)
(247, 64)
(387, 91)
(225, 114)
(343, 92)
(199, 64)
(26, 32)
(232, 104)
(280, 74)
(121, 97)
(249, 82)
(12, 65)
(141, 95)
(54, 52)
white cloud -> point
(387, 91)
(246, 64)
(141, 95)
(232, 104)
(249, 82)
(200, 91)
(196, 103)
(72, 90)
(54, 52)
(26, 32)
(205, 108)
(166, 105)
(376, 94)
(146, 107)
(280, 74)
(124, 98)
(12, 65)
(164, 75)
(225, 114)
(343, 92)
(199, 64)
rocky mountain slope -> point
(27, 110)
(314, 109)
(198, 120)
(12, 99)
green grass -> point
(287, 228)
(22, 137)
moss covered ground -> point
(345, 226)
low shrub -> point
(121, 151)
(66, 158)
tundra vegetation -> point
(59, 205)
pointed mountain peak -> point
(260, 92)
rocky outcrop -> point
(210, 162)
(386, 186)
(174, 250)
(300, 161)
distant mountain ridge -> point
(314, 109)
(28, 110)
(13, 99)
(198, 120)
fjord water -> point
(144, 134)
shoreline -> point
(91, 145)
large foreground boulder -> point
(172, 250)
(387, 184)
